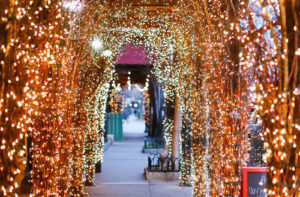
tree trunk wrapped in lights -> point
(147, 110)
(36, 62)
(186, 134)
(45, 89)
(186, 150)
(12, 152)
(271, 48)
(223, 131)
(199, 142)
(168, 123)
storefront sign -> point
(254, 182)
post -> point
(176, 132)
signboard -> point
(254, 182)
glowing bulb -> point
(73, 5)
(107, 53)
(97, 44)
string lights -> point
(58, 60)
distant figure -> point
(126, 113)
(165, 153)
(163, 157)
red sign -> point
(254, 182)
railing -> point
(167, 164)
(153, 143)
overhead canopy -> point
(133, 55)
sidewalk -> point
(122, 173)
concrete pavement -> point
(122, 173)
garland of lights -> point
(55, 89)
(146, 87)
(147, 108)
(168, 123)
(273, 57)
(186, 152)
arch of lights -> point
(54, 89)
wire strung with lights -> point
(57, 63)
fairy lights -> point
(107, 53)
(57, 62)
(73, 5)
(97, 45)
